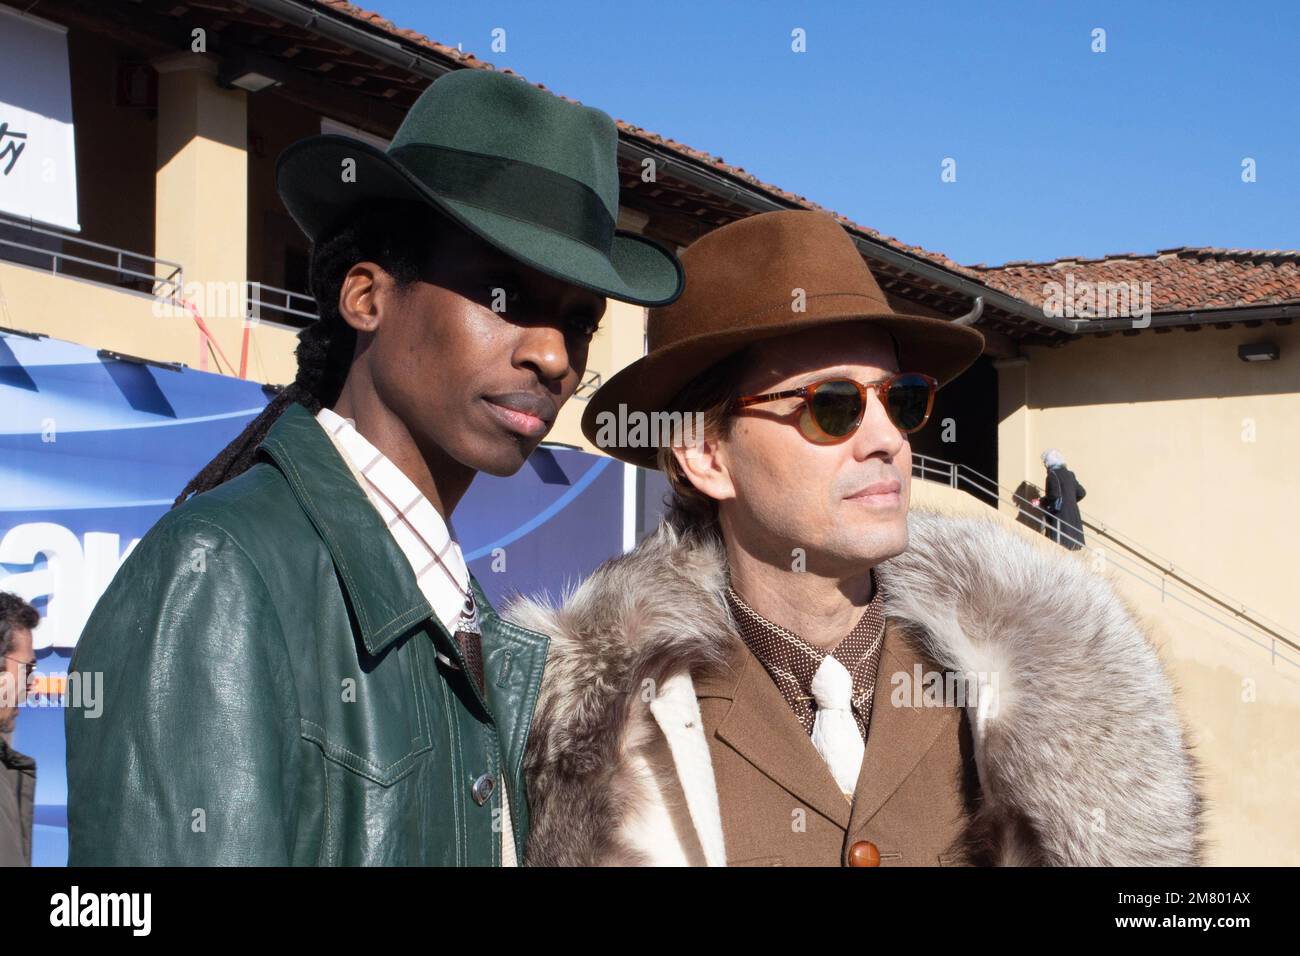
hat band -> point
(512, 188)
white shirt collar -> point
(421, 534)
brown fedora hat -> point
(741, 282)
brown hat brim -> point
(934, 346)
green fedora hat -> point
(532, 174)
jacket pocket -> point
(383, 771)
(758, 861)
(380, 728)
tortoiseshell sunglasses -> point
(833, 408)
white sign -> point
(38, 168)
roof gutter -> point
(390, 50)
(1234, 315)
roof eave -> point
(1230, 315)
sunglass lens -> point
(909, 401)
(837, 408)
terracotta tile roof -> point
(381, 22)
(1181, 278)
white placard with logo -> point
(38, 168)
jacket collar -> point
(375, 575)
(14, 760)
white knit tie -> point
(835, 732)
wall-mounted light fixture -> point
(252, 81)
(1258, 352)
(250, 72)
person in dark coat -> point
(17, 770)
(1061, 502)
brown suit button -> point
(864, 853)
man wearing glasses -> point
(17, 771)
(793, 670)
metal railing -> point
(113, 266)
(1173, 583)
(269, 303)
(588, 386)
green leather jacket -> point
(273, 691)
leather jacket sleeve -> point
(194, 758)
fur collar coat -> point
(1084, 728)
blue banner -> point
(93, 450)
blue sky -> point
(1059, 151)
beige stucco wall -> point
(1181, 446)
(619, 342)
(103, 317)
(201, 200)
(1240, 707)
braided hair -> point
(399, 236)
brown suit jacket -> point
(781, 806)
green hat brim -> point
(309, 179)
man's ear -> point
(705, 467)
(365, 289)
